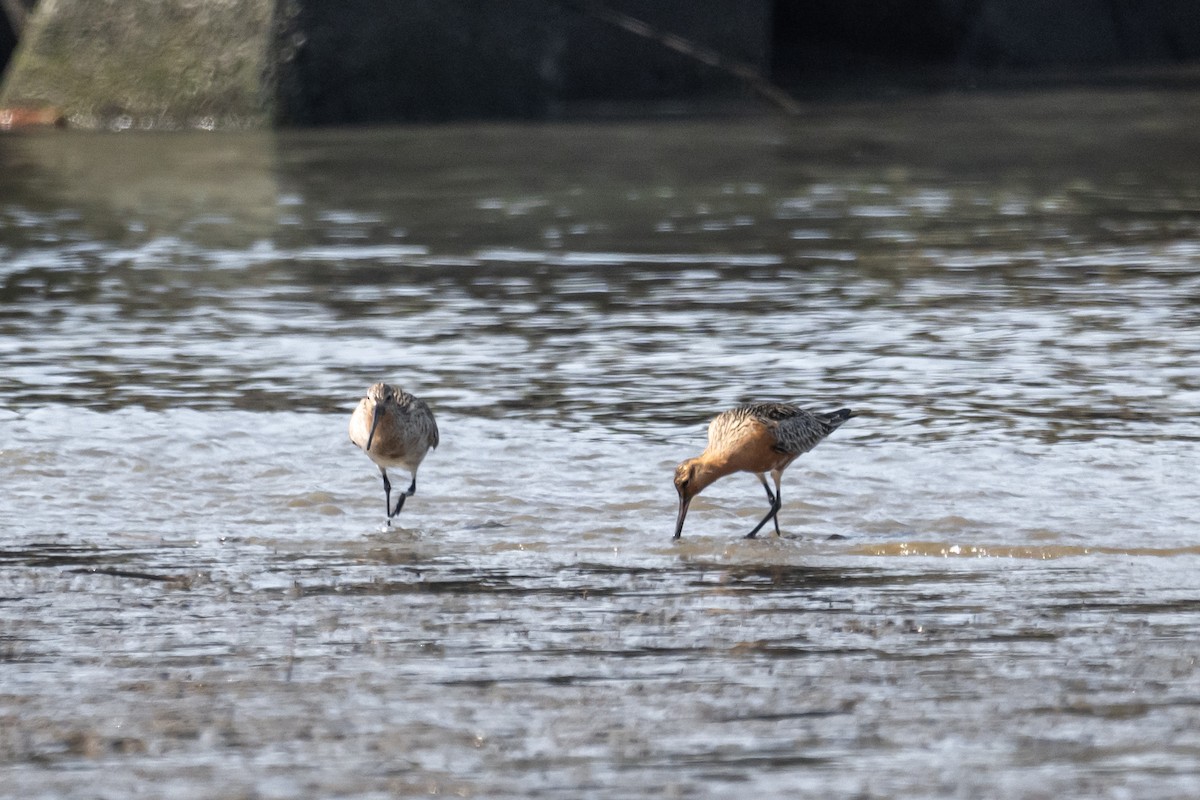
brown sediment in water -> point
(1036, 552)
(42, 117)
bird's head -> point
(691, 477)
(685, 478)
(378, 397)
(380, 393)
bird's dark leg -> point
(387, 494)
(776, 503)
(412, 489)
(771, 500)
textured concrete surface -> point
(146, 63)
(168, 64)
(251, 63)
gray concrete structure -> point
(253, 63)
(146, 63)
(262, 63)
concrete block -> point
(163, 64)
(147, 63)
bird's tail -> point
(835, 418)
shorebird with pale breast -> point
(757, 438)
(394, 429)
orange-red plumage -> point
(758, 438)
(394, 429)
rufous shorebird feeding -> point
(758, 438)
(394, 429)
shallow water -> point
(987, 584)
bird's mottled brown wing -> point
(796, 430)
(416, 420)
(428, 423)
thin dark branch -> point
(124, 573)
(705, 55)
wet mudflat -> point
(987, 584)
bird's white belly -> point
(388, 463)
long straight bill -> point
(683, 508)
(374, 422)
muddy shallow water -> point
(987, 583)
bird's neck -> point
(711, 466)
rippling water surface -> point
(986, 584)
